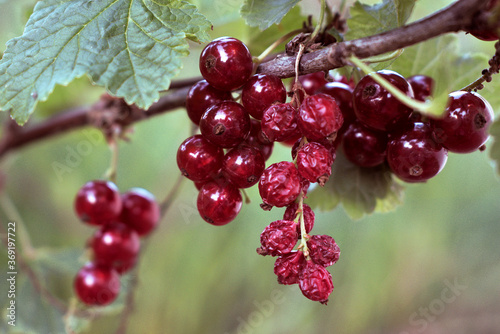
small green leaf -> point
(495, 147)
(63, 261)
(264, 13)
(133, 48)
(360, 190)
(368, 20)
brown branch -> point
(461, 15)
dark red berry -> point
(363, 146)
(422, 86)
(260, 92)
(319, 116)
(279, 185)
(115, 245)
(415, 156)
(288, 267)
(315, 282)
(292, 212)
(243, 166)
(225, 124)
(312, 82)
(279, 123)
(376, 107)
(489, 30)
(464, 126)
(342, 93)
(218, 203)
(98, 202)
(323, 250)
(140, 211)
(278, 238)
(198, 159)
(314, 163)
(96, 285)
(202, 96)
(226, 63)
(256, 139)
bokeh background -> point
(431, 266)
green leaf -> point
(495, 147)
(133, 48)
(368, 20)
(441, 59)
(360, 190)
(264, 13)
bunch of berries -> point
(122, 220)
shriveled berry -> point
(98, 202)
(314, 163)
(315, 282)
(323, 250)
(292, 211)
(280, 184)
(198, 159)
(279, 122)
(319, 116)
(278, 238)
(243, 166)
(140, 211)
(342, 93)
(288, 267)
(225, 124)
(260, 92)
(218, 203)
(202, 96)
(97, 285)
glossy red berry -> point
(115, 245)
(219, 203)
(279, 123)
(96, 285)
(323, 250)
(422, 86)
(319, 116)
(140, 211)
(315, 282)
(278, 238)
(202, 96)
(260, 92)
(256, 139)
(198, 159)
(464, 126)
(414, 156)
(363, 146)
(291, 213)
(225, 124)
(243, 166)
(312, 82)
(342, 93)
(279, 185)
(226, 63)
(98, 202)
(314, 163)
(376, 107)
(288, 267)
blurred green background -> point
(431, 266)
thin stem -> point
(276, 43)
(303, 234)
(320, 22)
(245, 196)
(169, 199)
(113, 168)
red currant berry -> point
(140, 211)
(219, 203)
(415, 156)
(422, 86)
(226, 63)
(279, 123)
(312, 82)
(314, 163)
(202, 96)
(279, 185)
(226, 124)
(288, 267)
(323, 250)
(342, 93)
(260, 92)
(98, 202)
(363, 146)
(292, 211)
(319, 116)
(243, 166)
(115, 245)
(198, 159)
(315, 282)
(487, 31)
(464, 126)
(376, 107)
(256, 139)
(95, 285)
(278, 238)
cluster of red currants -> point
(122, 219)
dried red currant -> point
(278, 238)
(288, 267)
(292, 211)
(315, 282)
(314, 163)
(319, 116)
(279, 123)
(323, 250)
(279, 185)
